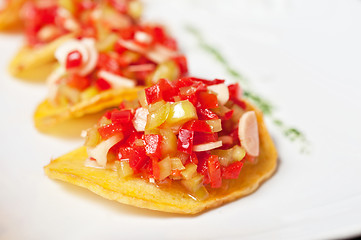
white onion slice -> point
(207, 146)
(140, 119)
(91, 163)
(160, 54)
(53, 82)
(116, 81)
(222, 92)
(141, 67)
(130, 45)
(89, 65)
(248, 133)
(100, 151)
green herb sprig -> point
(291, 133)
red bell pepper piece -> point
(102, 85)
(121, 116)
(202, 137)
(193, 158)
(78, 82)
(73, 59)
(155, 168)
(182, 64)
(185, 140)
(162, 90)
(228, 115)
(110, 130)
(206, 114)
(210, 82)
(235, 91)
(136, 155)
(232, 171)
(197, 126)
(202, 166)
(158, 34)
(214, 170)
(207, 100)
(152, 145)
(153, 94)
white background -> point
(304, 56)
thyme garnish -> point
(291, 133)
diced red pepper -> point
(197, 126)
(73, 59)
(158, 34)
(78, 82)
(210, 82)
(153, 94)
(167, 89)
(207, 100)
(109, 63)
(240, 103)
(155, 169)
(136, 155)
(170, 43)
(214, 170)
(182, 64)
(193, 158)
(185, 140)
(119, 48)
(228, 115)
(201, 137)
(152, 145)
(102, 85)
(232, 171)
(162, 90)
(206, 114)
(202, 166)
(110, 130)
(121, 116)
(235, 91)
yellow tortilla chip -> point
(10, 16)
(47, 115)
(37, 62)
(137, 192)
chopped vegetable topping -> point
(180, 133)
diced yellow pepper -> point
(135, 9)
(168, 70)
(169, 142)
(157, 115)
(165, 168)
(181, 112)
(123, 168)
(190, 171)
(92, 138)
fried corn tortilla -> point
(47, 115)
(31, 62)
(137, 192)
(10, 16)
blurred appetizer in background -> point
(95, 73)
(185, 146)
(49, 23)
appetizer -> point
(183, 147)
(48, 24)
(94, 74)
(10, 14)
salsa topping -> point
(137, 55)
(188, 131)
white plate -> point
(302, 55)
